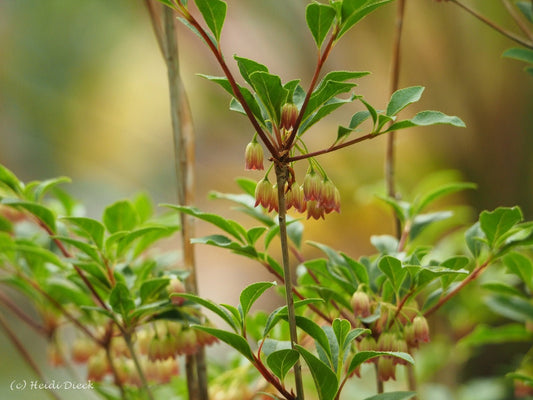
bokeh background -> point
(83, 93)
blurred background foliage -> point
(83, 93)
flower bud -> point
(253, 156)
(360, 303)
(421, 329)
(175, 287)
(289, 115)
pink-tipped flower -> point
(264, 194)
(274, 202)
(295, 198)
(330, 197)
(314, 210)
(253, 156)
(289, 115)
(386, 369)
(312, 187)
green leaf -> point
(511, 307)
(320, 18)
(474, 238)
(251, 293)
(421, 221)
(226, 243)
(152, 288)
(121, 300)
(280, 362)
(353, 11)
(247, 67)
(214, 13)
(167, 2)
(402, 98)
(363, 356)
(495, 224)
(503, 289)
(220, 311)
(325, 379)
(385, 244)
(358, 269)
(120, 216)
(86, 248)
(255, 233)
(443, 190)
(316, 332)
(43, 214)
(519, 53)
(393, 396)
(10, 180)
(247, 185)
(270, 91)
(324, 93)
(521, 266)
(281, 312)
(426, 118)
(393, 270)
(236, 341)
(483, 335)
(90, 228)
(326, 109)
(229, 226)
(65, 292)
(145, 236)
(402, 209)
(43, 187)
(526, 8)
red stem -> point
(333, 148)
(235, 88)
(475, 273)
(321, 60)
(274, 381)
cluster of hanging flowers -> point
(157, 346)
(317, 195)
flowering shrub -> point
(135, 315)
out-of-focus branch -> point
(164, 23)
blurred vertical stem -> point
(390, 158)
(282, 174)
(391, 143)
(183, 136)
(25, 355)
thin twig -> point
(473, 275)
(23, 316)
(519, 19)
(24, 353)
(390, 155)
(503, 31)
